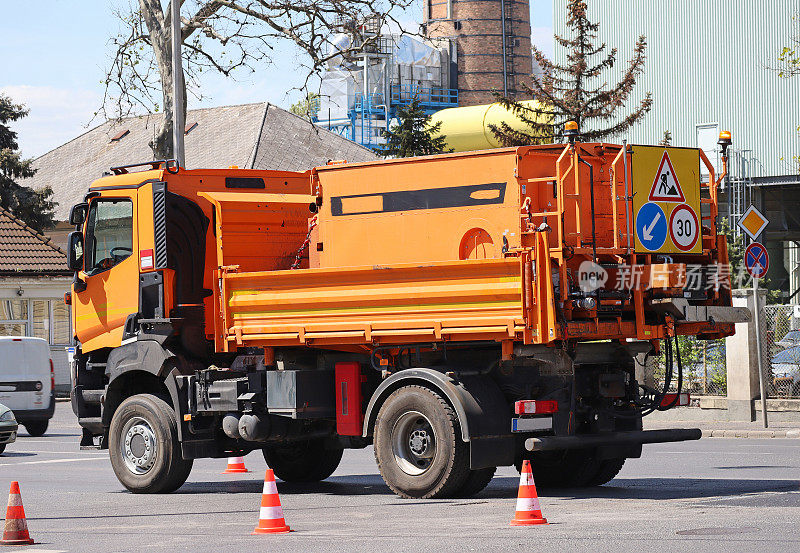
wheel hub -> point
(139, 446)
(413, 443)
(419, 443)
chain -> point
(301, 249)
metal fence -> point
(780, 348)
(704, 367)
(704, 370)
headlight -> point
(7, 416)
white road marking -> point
(56, 461)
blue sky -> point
(53, 52)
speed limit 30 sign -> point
(684, 228)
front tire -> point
(144, 448)
(36, 429)
(307, 461)
(418, 445)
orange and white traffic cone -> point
(528, 510)
(235, 465)
(16, 528)
(270, 519)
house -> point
(33, 279)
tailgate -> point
(454, 300)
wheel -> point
(476, 481)
(609, 468)
(36, 428)
(144, 448)
(308, 461)
(418, 445)
(571, 468)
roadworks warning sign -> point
(666, 200)
(666, 187)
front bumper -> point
(8, 432)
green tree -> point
(413, 135)
(35, 207)
(576, 91)
(308, 107)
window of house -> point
(42, 318)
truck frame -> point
(430, 307)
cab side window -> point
(109, 234)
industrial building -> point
(471, 50)
(711, 67)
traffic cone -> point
(528, 510)
(16, 528)
(270, 519)
(235, 465)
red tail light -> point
(535, 407)
(683, 400)
(52, 377)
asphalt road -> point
(713, 495)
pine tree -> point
(413, 135)
(35, 207)
(574, 91)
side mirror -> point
(77, 215)
(75, 250)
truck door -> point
(111, 272)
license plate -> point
(531, 424)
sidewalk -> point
(714, 423)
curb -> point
(791, 433)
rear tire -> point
(609, 468)
(36, 429)
(571, 468)
(476, 481)
(574, 468)
(144, 448)
(308, 461)
(418, 445)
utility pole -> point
(178, 123)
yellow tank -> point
(467, 128)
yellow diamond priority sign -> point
(753, 222)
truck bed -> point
(451, 300)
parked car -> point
(27, 381)
(8, 427)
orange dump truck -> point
(458, 312)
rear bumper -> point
(37, 414)
(635, 437)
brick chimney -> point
(478, 28)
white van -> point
(27, 381)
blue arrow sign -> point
(651, 226)
(756, 260)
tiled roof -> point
(259, 136)
(24, 251)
